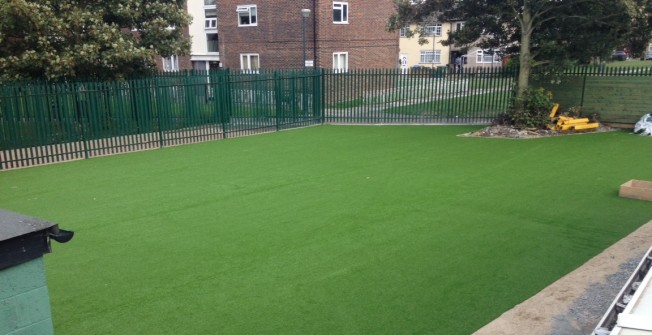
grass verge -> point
(488, 104)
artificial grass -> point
(324, 230)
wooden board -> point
(636, 189)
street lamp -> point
(305, 13)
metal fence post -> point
(583, 89)
(159, 111)
(278, 99)
(317, 108)
(225, 101)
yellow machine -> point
(568, 123)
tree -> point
(639, 37)
(56, 39)
(536, 32)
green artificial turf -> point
(327, 230)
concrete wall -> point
(198, 34)
(197, 29)
(24, 300)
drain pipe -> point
(314, 33)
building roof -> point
(23, 238)
(14, 225)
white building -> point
(203, 31)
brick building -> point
(256, 34)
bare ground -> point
(574, 304)
(501, 131)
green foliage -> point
(541, 32)
(602, 27)
(639, 37)
(532, 110)
(59, 39)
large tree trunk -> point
(525, 56)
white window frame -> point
(337, 67)
(430, 57)
(247, 9)
(403, 31)
(481, 58)
(245, 63)
(210, 23)
(432, 29)
(171, 63)
(343, 7)
(459, 26)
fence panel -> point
(418, 96)
(50, 122)
(618, 95)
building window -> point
(340, 12)
(209, 2)
(249, 63)
(430, 56)
(340, 62)
(171, 63)
(403, 32)
(211, 43)
(459, 26)
(487, 56)
(210, 21)
(432, 30)
(247, 15)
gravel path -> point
(574, 304)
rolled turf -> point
(327, 230)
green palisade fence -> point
(52, 122)
(420, 96)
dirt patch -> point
(500, 131)
(574, 304)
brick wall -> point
(277, 38)
(24, 300)
(364, 37)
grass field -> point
(630, 63)
(481, 104)
(327, 230)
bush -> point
(532, 111)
